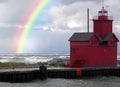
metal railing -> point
(108, 17)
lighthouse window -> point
(103, 14)
(103, 43)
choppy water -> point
(96, 82)
(31, 58)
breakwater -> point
(27, 75)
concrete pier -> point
(83, 72)
(19, 75)
(27, 75)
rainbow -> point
(31, 16)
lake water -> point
(30, 58)
(96, 82)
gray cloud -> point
(3, 1)
(52, 32)
(75, 1)
(13, 10)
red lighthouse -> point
(95, 49)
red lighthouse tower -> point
(95, 49)
(103, 23)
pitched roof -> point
(81, 36)
(98, 36)
(108, 37)
(87, 36)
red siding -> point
(103, 27)
(92, 56)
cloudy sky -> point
(60, 21)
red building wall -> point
(92, 55)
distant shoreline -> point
(13, 65)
